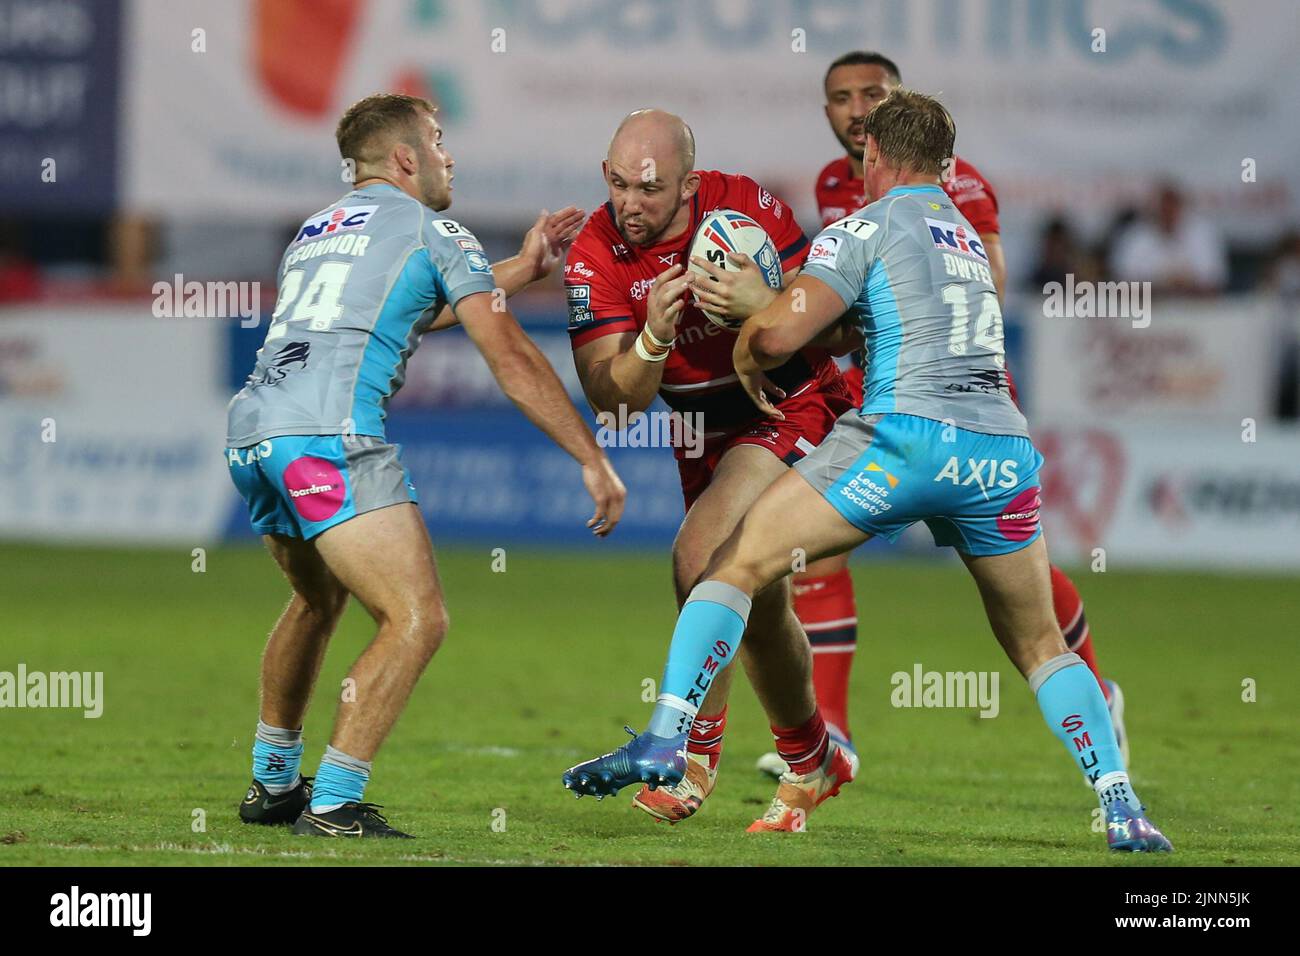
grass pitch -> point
(545, 663)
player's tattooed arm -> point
(611, 372)
(997, 261)
(773, 335)
(544, 247)
(529, 381)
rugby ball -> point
(723, 231)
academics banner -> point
(231, 107)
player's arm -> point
(529, 381)
(626, 368)
(545, 244)
(796, 318)
(839, 338)
(997, 261)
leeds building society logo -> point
(869, 489)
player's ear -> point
(690, 185)
(872, 154)
(404, 156)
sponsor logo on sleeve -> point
(477, 262)
(825, 250)
(334, 221)
(579, 297)
(857, 228)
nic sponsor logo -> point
(956, 237)
(335, 220)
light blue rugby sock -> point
(1075, 710)
(277, 757)
(341, 779)
(705, 640)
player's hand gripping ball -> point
(727, 231)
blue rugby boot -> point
(655, 761)
(1132, 832)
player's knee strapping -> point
(705, 640)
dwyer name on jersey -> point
(607, 282)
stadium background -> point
(190, 139)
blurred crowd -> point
(1177, 250)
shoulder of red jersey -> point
(835, 174)
(597, 307)
(974, 196)
(837, 191)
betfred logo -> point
(955, 237)
(335, 221)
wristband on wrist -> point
(650, 348)
(652, 339)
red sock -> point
(705, 738)
(803, 747)
(826, 609)
(1073, 622)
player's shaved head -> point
(650, 171)
(656, 135)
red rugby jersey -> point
(839, 194)
(607, 280)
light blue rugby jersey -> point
(360, 283)
(914, 276)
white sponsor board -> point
(111, 423)
(1055, 113)
(98, 355)
(1172, 495)
(1195, 362)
